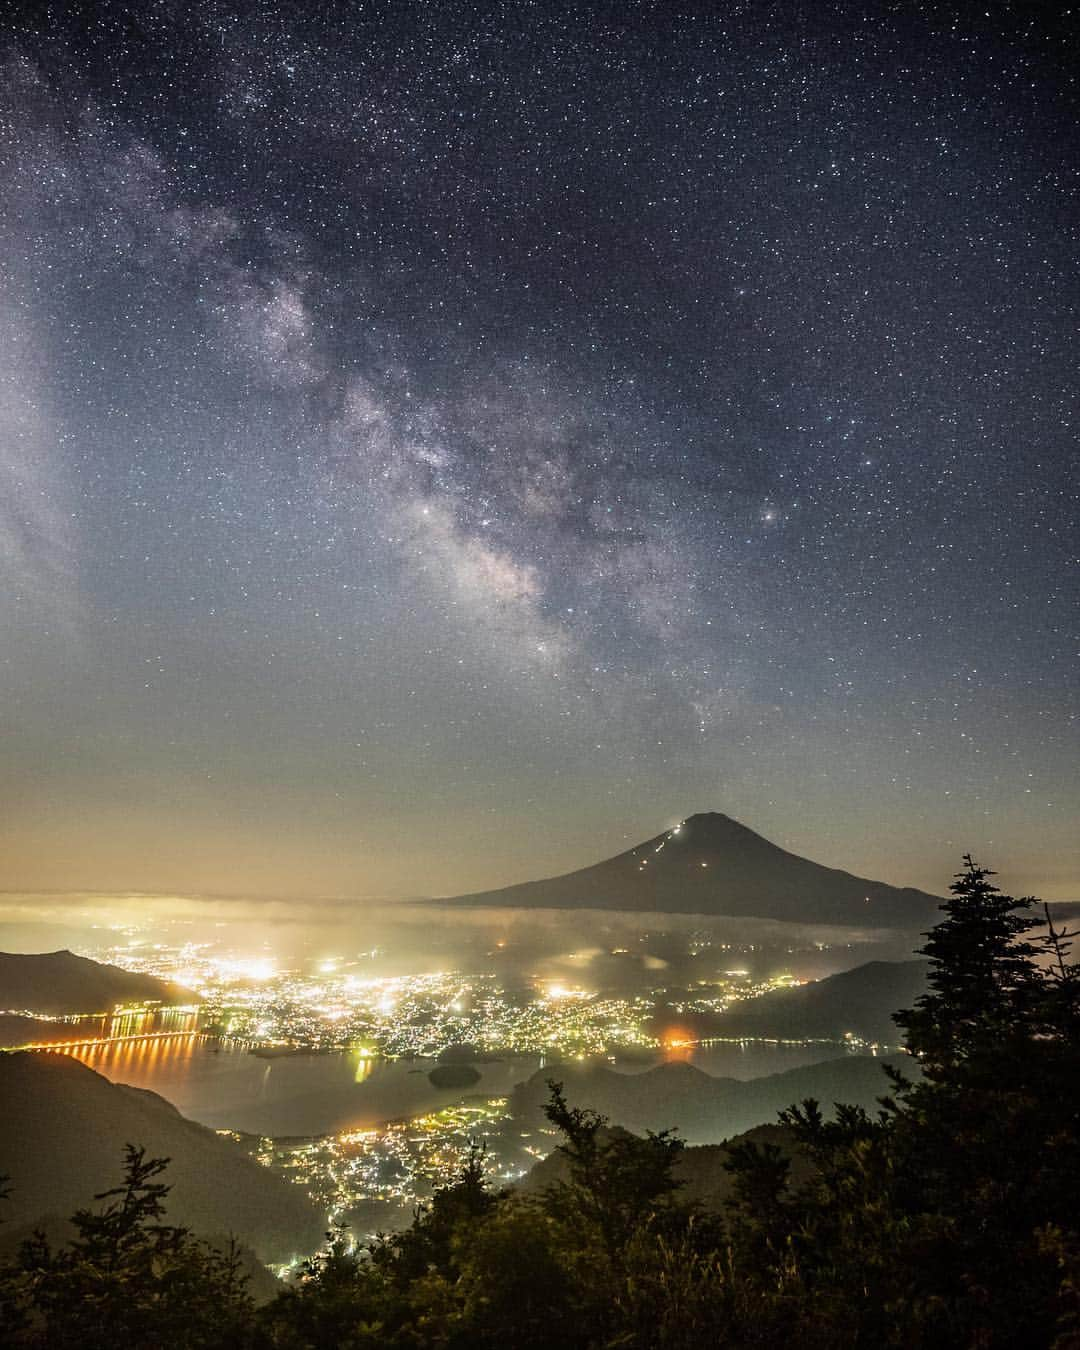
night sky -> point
(442, 444)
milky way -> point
(442, 443)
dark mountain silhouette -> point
(699, 1168)
(860, 1001)
(711, 864)
(61, 983)
(62, 1135)
(705, 1110)
(16, 1030)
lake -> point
(225, 1086)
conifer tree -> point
(982, 975)
(130, 1280)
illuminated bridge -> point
(87, 1042)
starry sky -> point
(442, 444)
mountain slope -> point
(710, 864)
(860, 1001)
(61, 983)
(699, 1169)
(62, 1136)
(705, 1110)
(16, 1030)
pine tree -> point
(131, 1280)
(951, 1219)
(982, 975)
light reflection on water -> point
(223, 1085)
(148, 1060)
(754, 1058)
(86, 1032)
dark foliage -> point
(127, 1280)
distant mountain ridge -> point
(859, 1001)
(63, 984)
(710, 864)
(704, 1109)
(699, 1169)
(62, 1136)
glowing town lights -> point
(245, 968)
(313, 1009)
(556, 993)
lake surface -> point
(227, 1087)
(743, 1059)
